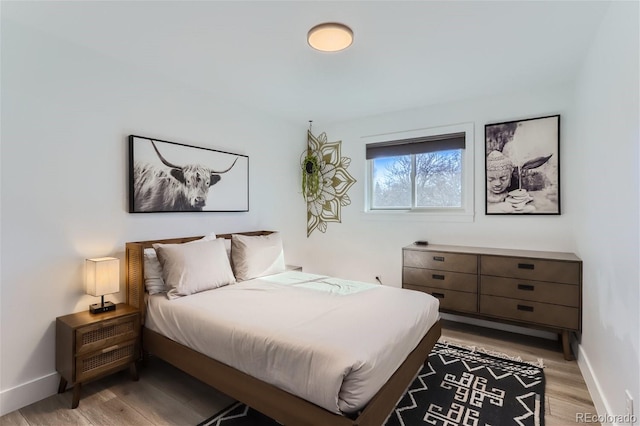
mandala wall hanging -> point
(325, 181)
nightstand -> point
(89, 346)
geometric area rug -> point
(459, 387)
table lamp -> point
(102, 276)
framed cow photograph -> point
(173, 177)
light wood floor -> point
(166, 396)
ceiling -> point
(404, 55)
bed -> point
(295, 406)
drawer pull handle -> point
(110, 348)
(110, 323)
(525, 308)
(526, 287)
(438, 295)
(437, 277)
(526, 266)
(438, 258)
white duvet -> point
(330, 341)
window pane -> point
(391, 182)
(439, 179)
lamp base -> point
(98, 308)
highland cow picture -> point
(522, 166)
(173, 177)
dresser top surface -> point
(552, 255)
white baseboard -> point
(599, 401)
(20, 396)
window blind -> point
(419, 145)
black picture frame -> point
(522, 167)
(167, 177)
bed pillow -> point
(153, 271)
(256, 256)
(192, 268)
(227, 246)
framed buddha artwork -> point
(522, 167)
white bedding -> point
(330, 341)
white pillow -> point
(153, 271)
(195, 267)
(256, 256)
(209, 237)
(227, 246)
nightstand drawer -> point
(441, 261)
(531, 269)
(93, 364)
(440, 279)
(450, 300)
(531, 312)
(536, 291)
(107, 333)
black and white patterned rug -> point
(459, 386)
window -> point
(428, 171)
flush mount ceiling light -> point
(330, 37)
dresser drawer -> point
(450, 300)
(536, 291)
(441, 261)
(440, 279)
(531, 312)
(93, 364)
(107, 333)
(531, 269)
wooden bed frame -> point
(280, 405)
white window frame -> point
(465, 213)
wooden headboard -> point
(134, 258)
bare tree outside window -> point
(438, 181)
(392, 177)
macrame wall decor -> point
(325, 181)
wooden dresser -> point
(534, 289)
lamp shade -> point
(102, 276)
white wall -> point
(66, 114)
(373, 246)
(607, 192)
